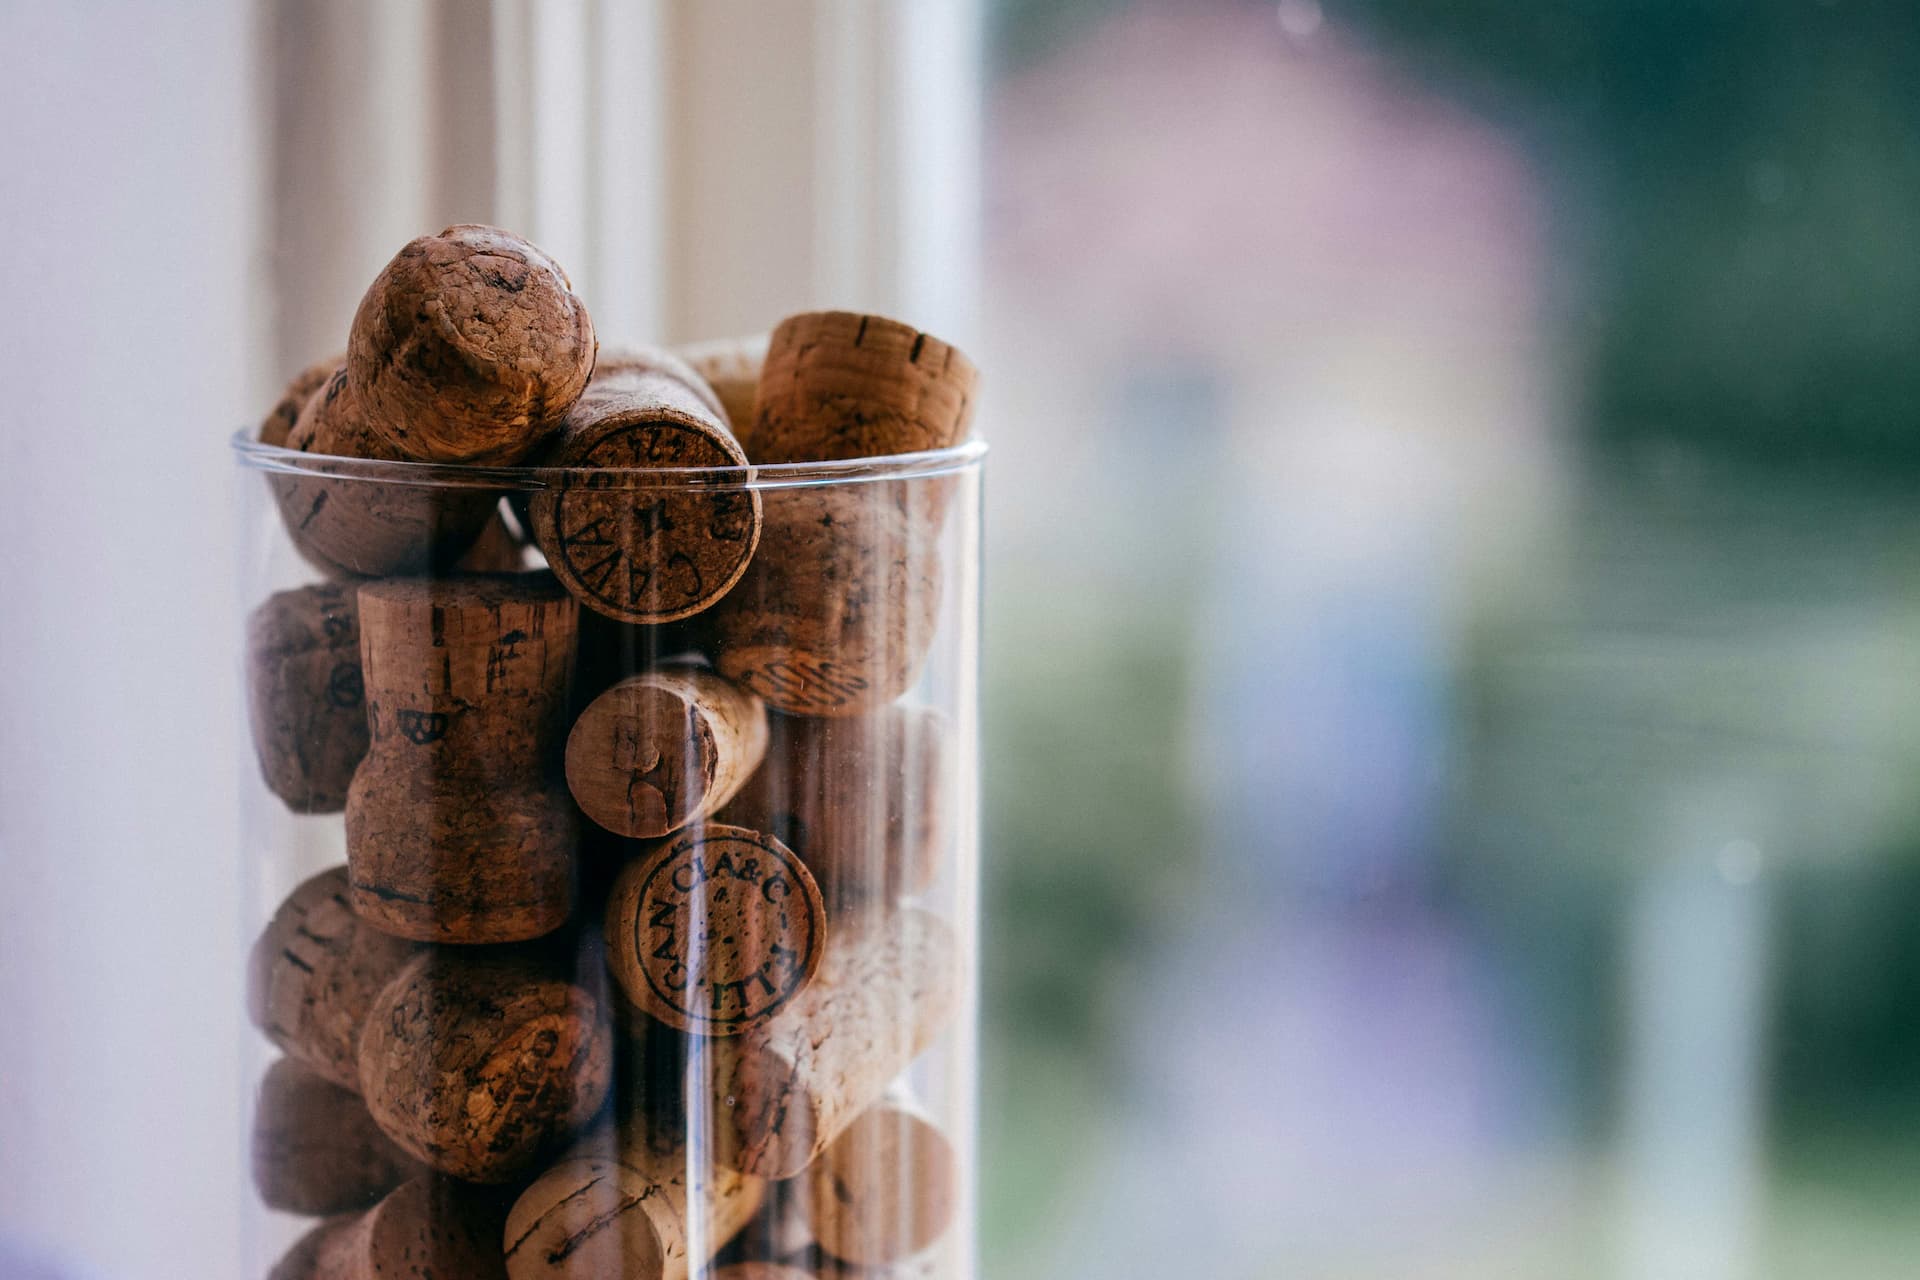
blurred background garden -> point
(1452, 664)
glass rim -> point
(257, 455)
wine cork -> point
(315, 972)
(500, 547)
(366, 526)
(628, 1212)
(888, 984)
(305, 698)
(425, 1229)
(459, 827)
(470, 346)
(863, 800)
(731, 366)
(886, 1189)
(481, 1063)
(278, 423)
(840, 385)
(315, 1150)
(635, 553)
(837, 611)
(303, 1260)
(716, 930)
(663, 749)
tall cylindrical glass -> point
(616, 905)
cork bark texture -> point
(716, 930)
(662, 749)
(887, 986)
(479, 1064)
(839, 385)
(315, 972)
(315, 1150)
(635, 553)
(886, 1189)
(731, 366)
(459, 826)
(838, 610)
(360, 527)
(864, 800)
(627, 1211)
(306, 701)
(470, 346)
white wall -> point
(126, 334)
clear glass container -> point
(598, 946)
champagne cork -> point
(278, 423)
(369, 527)
(731, 366)
(886, 1189)
(645, 554)
(628, 1212)
(425, 1229)
(839, 385)
(663, 749)
(888, 984)
(716, 930)
(316, 1151)
(315, 972)
(305, 698)
(481, 1063)
(459, 827)
(470, 346)
(837, 611)
(863, 800)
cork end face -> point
(636, 763)
(716, 931)
(643, 555)
(885, 1190)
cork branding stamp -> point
(716, 930)
(649, 558)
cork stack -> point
(631, 952)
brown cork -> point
(426, 1229)
(662, 749)
(731, 366)
(837, 612)
(716, 930)
(887, 986)
(369, 527)
(470, 346)
(646, 554)
(459, 827)
(302, 1261)
(316, 1150)
(305, 698)
(482, 1063)
(886, 1189)
(864, 800)
(626, 1211)
(278, 423)
(315, 972)
(840, 385)
(500, 548)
